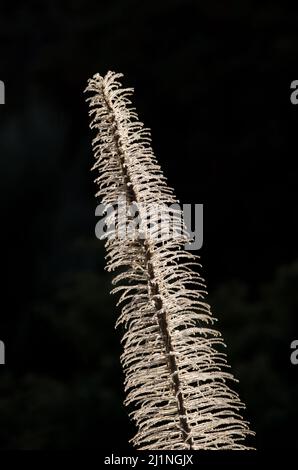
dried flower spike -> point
(176, 379)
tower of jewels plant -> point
(176, 379)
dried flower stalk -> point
(176, 379)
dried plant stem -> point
(171, 360)
(175, 377)
(152, 284)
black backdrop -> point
(212, 80)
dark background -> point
(212, 80)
